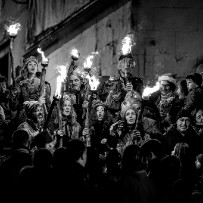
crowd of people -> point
(108, 145)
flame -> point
(127, 43)
(13, 29)
(93, 82)
(88, 62)
(149, 90)
(44, 59)
(75, 53)
(60, 79)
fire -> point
(149, 90)
(44, 59)
(60, 79)
(93, 82)
(88, 62)
(127, 43)
(75, 53)
(13, 29)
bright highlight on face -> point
(32, 67)
(66, 108)
(130, 116)
(183, 124)
(75, 82)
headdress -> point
(29, 106)
(183, 113)
(196, 77)
(167, 77)
(125, 107)
(97, 103)
(31, 58)
(69, 97)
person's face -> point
(183, 124)
(165, 87)
(190, 84)
(38, 114)
(32, 67)
(3, 87)
(199, 117)
(126, 66)
(75, 82)
(130, 116)
(66, 108)
(100, 113)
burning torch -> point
(58, 95)
(44, 64)
(149, 90)
(73, 65)
(12, 31)
(127, 44)
(91, 85)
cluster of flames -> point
(127, 44)
(13, 28)
(149, 90)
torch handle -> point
(50, 112)
(12, 61)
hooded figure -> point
(166, 98)
(195, 95)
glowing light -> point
(127, 44)
(88, 62)
(93, 82)
(44, 59)
(13, 29)
(75, 53)
(149, 90)
(60, 79)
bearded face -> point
(125, 66)
(75, 82)
(38, 114)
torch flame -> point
(44, 59)
(60, 79)
(149, 90)
(88, 62)
(93, 82)
(75, 53)
(13, 29)
(127, 43)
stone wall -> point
(170, 37)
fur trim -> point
(167, 78)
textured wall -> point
(104, 36)
(169, 36)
